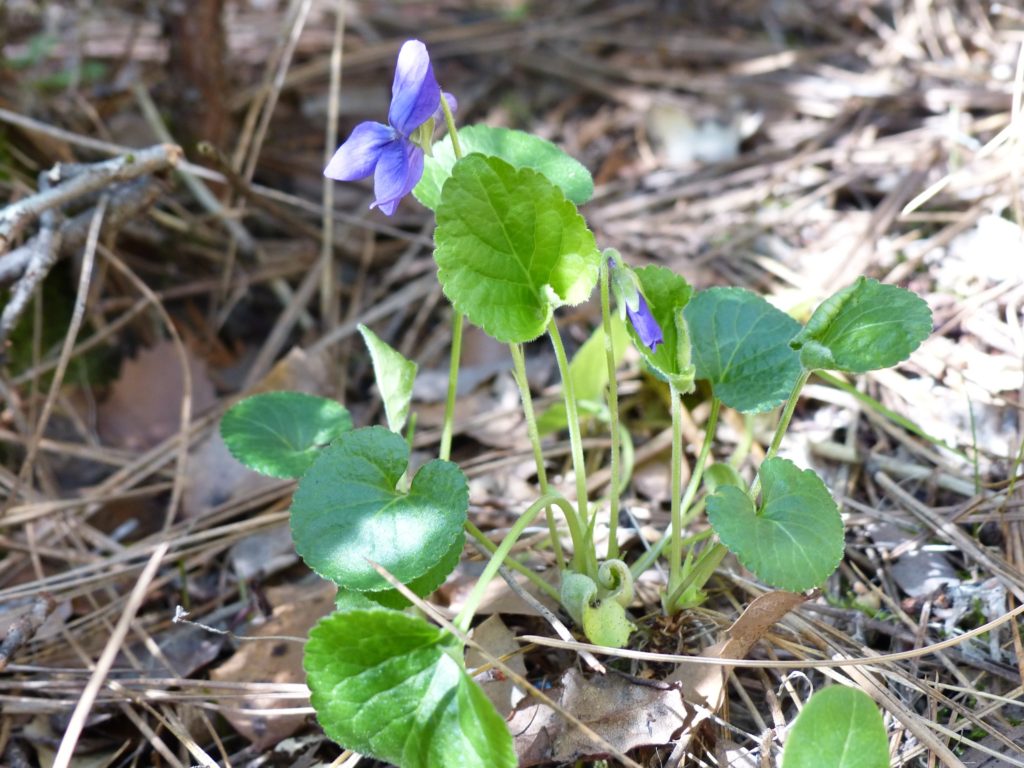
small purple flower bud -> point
(645, 325)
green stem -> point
(457, 322)
(787, 414)
(576, 444)
(515, 565)
(675, 549)
(702, 570)
(780, 430)
(647, 559)
(702, 458)
(613, 414)
(449, 123)
(519, 374)
(462, 621)
(453, 384)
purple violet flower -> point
(645, 325)
(387, 151)
(625, 286)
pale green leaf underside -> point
(864, 327)
(395, 376)
(347, 512)
(839, 727)
(741, 346)
(667, 294)
(795, 540)
(280, 434)
(518, 149)
(385, 685)
(510, 248)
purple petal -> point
(358, 156)
(415, 94)
(645, 325)
(398, 171)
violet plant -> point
(512, 249)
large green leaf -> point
(741, 346)
(839, 727)
(667, 294)
(794, 540)
(511, 248)
(588, 370)
(518, 149)
(395, 376)
(348, 512)
(863, 327)
(421, 585)
(280, 434)
(388, 686)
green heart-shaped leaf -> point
(510, 248)
(395, 376)
(864, 327)
(347, 512)
(839, 727)
(518, 149)
(280, 434)
(388, 686)
(795, 540)
(421, 585)
(741, 346)
(667, 294)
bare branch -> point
(86, 179)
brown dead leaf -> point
(300, 371)
(144, 404)
(496, 639)
(703, 684)
(626, 713)
(758, 617)
(296, 609)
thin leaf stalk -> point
(465, 617)
(702, 570)
(589, 556)
(780, 430)
(648, 558)
(447, 428)
(515, 565)
(675, 549)
(519, 374)
(445, 449)
(613, 414)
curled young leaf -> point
(576, 592)
(605, 623)
(616, 582)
